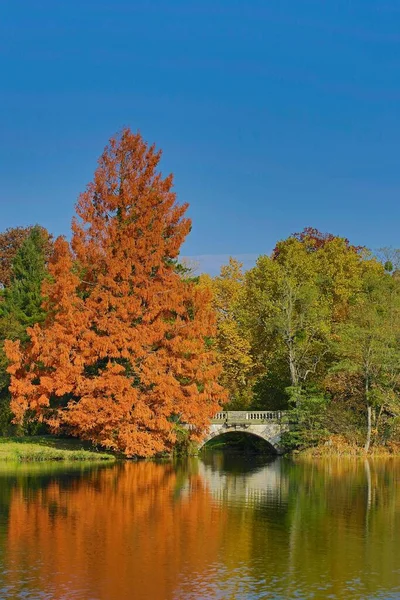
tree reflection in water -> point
(221, 527)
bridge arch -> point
(240, 431)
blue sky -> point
(273, 115)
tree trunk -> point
(369, 425)
(369, 416)
(293, 371)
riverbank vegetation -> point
(48, 448)
(108, 338)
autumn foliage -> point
(125, 351)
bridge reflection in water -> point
(258, 484)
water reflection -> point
(235, 479)
(222, 527)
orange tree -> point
(126, 351)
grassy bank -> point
(44, 448)
(338, 446)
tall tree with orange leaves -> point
(125, 352)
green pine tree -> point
(22, 304)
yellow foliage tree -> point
(233, 345)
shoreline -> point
(378, 452)
(49, 448)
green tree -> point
(368, 349)
(295, 301)
(10, 242)
(307, 419)
(21, 304)
(22, 299)
(287, 314)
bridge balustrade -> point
(240, 416)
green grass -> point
(48, 448)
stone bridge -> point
(264, 424)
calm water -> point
(218, 528)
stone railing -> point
(242, 416)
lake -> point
(219, 527)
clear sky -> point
(273, 114)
